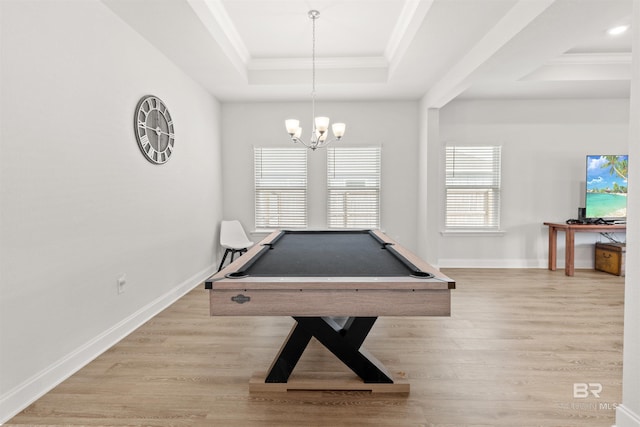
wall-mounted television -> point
(606, 189)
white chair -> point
(233, 239)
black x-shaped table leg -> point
(344, 341)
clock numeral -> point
(142, 129)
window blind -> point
(280, 187)
(472, 187)
(353, 186)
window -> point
(472, 188)
(280, 187)
(353, 184)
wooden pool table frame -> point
(315, 302)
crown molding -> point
(321, 63)
(218, 23)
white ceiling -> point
(392, 49)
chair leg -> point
(226, 252)
(233, 253)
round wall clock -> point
(154, 129)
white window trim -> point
(473, 233)
(280, 184)
(367, 188)
(482, 231)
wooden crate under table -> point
(610, 257)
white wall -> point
(429, 203)
(628, 412)
(392, 125)
(544, 147)
(543, 173)
(80, 205)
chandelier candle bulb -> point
(338, 129)
(322, 123)
(292, 126)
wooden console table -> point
(570, 230)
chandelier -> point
(320, 125)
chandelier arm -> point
(301, 141)
(315, 143)
(326, 142)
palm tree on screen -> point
(617, 166)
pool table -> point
(334, 284)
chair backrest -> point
(232, 235)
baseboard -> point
(15, 400)
(491, 263)
(508, 263)
(625, 417)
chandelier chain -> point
(313, 72)
(313, 56)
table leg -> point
(343, 341)
(553, 247)
(569, 252)
(289, 355)
(345, 344)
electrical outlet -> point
(121, 282)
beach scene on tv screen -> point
(606, 187)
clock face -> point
(154, 129)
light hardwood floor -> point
(517, 342)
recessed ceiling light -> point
(615, 31)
